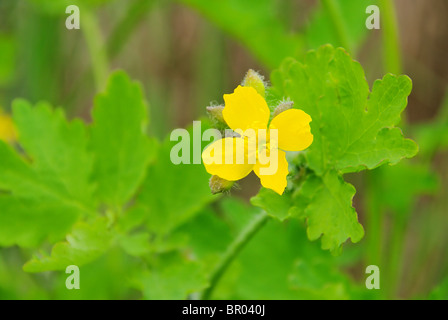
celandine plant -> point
(109, 188)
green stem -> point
(338, 23)
(374, 222)
(393, 63)
(92, 34)
(396, 254)
(391, 40)
(233, 250)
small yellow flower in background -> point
(7, 131)
(247, 111)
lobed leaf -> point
(174, 280)
(353, 129)
(275, 205)
(173, 194)
(48, 187)
(85, 243)
(327, 206)
(118, 140)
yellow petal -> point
(273, 174)
(294, 132)
(246, 109)
(229, 158)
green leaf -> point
(353, 129)
(28, 222)
(318, 278)
(86, 243)
(238, 214)
(267, 256)
(132, 218)
(433, 136)
(58, 149)
(314, 276)
(394, 191)
(275, 205)
(233, 218)
(199, 244)
(16, 284)
(136, 244)
(173, 280)
(173, 194)
(45, 191)
(327, 207)
(277, 254)
(107, 278)
(119, 142)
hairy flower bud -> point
(255, 80)
(218, 185)
(215, 113)
(285, 105)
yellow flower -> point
(246, 112)
(7, 131)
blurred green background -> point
(186, 54)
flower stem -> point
(92, 34)
(375, 218)
(234, 249)
(374, 226)
(338, 23)
(396, 254)
(391, 40)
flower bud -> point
(215, 113)
(218, 185)
(255, 80)
(285, 105)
